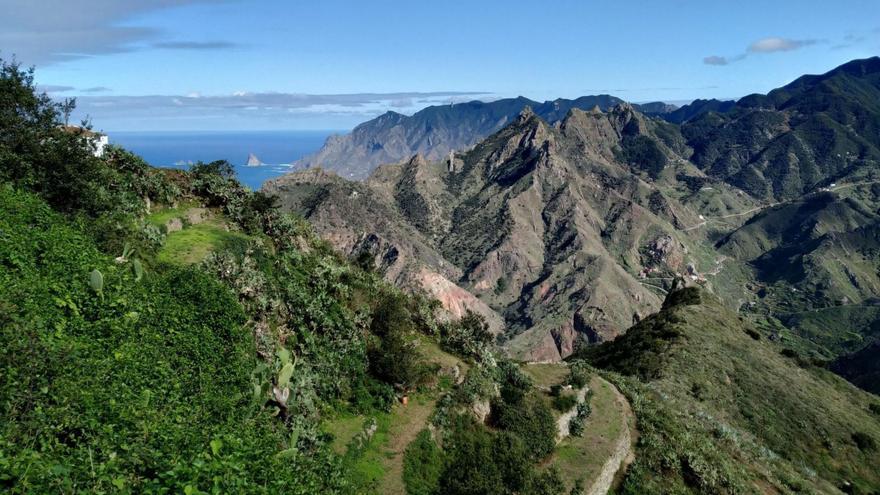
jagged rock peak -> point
(253, 161)
(622, 108)
(595, 110)
(417, 161)
(525, 114)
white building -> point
(98, 140)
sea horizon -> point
(180, 149)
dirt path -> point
(623, 455)
(409, 421)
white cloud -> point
(773, 44)
(715, 60)
(149, 111)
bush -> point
(564, 403)
(484, 462)
(481, 462)
(423, 464)
(468, 336)
(578, 374)
(864, 441)
(577, 424)
(514, 383)
(393, 355)
(532, 421)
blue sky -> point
(330, 64)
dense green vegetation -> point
(720, 411)
(643, 153)
(204, 357)
(146, 372)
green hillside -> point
(174, 332)
(721, 409)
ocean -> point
(277, 149)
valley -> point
(580, 296)
(642, 208)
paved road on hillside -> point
(771, 205)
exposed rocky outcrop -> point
(253, 161)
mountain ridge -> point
(435, 131)
(523, 209)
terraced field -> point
(593, 460)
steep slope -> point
(432, 132)
(695, 109)
(814, 131)
(722, 410)
(357, 220)
(862, 368)
(812, 258)
(557, 228)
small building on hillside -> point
(98, 140)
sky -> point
(331, 64)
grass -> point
(546, 375)
(406, 423)
(161, 217)
(434, 354)
(343, 428)
(583, 457)
(377, 465)
(366, 464)
(192, 244)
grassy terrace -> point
(375, 459)
(582, 458)
(195, 241)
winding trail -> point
(409, 421)
(624, 453)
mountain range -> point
(436, 130)
(584, 302)
(566, 226)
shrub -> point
(423, 464)
(393, 355)
(564, 403)
(577, 424)
(548, 482)
(484, 462)
(514, 383)
(864, 441)
(532, 421)
(578, 373)
(468, 336)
